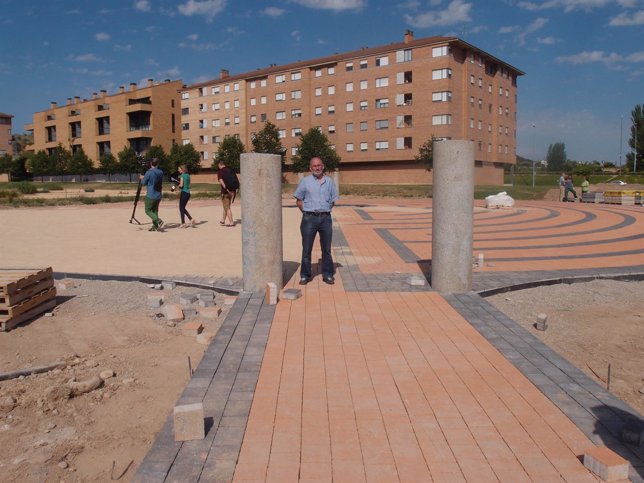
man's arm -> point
(300, 204)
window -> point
(440, 51)
(204, 154)
(472, 101)
(296, 94)
(382, 103)
(253, 101)
(280, 96)
(216, 123)
(185, 141)
(348, 66)
(472, 79)
(364, 146)
(507, 93)
(364, 105)
(263, 82)
(317, 72)
(226, 104)
(331, 109)
(227, 88)
(364, 125)
(203, 108)
(404, 99)
(282, 133)
(363, 64)
(216, 139)
(331, 128)
(382, 124)
(404, 143)
(349, 127)
(253, 84)
(480, 103)
(236, 103)
(318, 91)
(382, 145)
(403, 55)
(349, 106)
(280, 78)
(441, 119)
(382, 82)
(280, 115)
(442, 96)
(227, 121)
(296, 131)
(500, 91)
(296, 113)
(349, 147)
(263, 100)
(318, 111)
(404, 77)
(253, 119)
(471, 123)
(438, 74)
(403, 121)
(364, 85)
(216, 90)
(262, 117)
(480, 82)
(236, 86)
(202, 123)
(480, 125)
(296, 76)
(349, 87)
(216, 106)
(331, 90)
(203, 139)
(236, 119)
(331, 70)
(185, 111)
(185, 95)
(382, 61)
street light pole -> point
(534, 151)
(621, 141)
(635, 148)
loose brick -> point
(209, 312)
(65, 285)
(206, 303)
(229, 300)
(168, 284)
(155, 300)
(188, 422)
(191, 328)
(291, 294)
(542, 322)
(271, 293)
(189, 312)
(187, 299)
(416, 281)
(206, 296)
(606, 464)
(173, 312)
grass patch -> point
(89, 190)
(26, 188)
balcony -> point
(74, 112)
(103, 107)
(140, 127)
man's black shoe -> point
(304, 280)
(329, 280)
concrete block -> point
(291, 294)
(173, 312)
(189, 312)
(155, 300)
(168, 285)
(206, 296)
(229, 300)
(191, 328)
(606, 464)
(65, 285)
(416, 281)
(271, 293)
(206, 303)
(205, 338)
(188, 422)
(542, 322)
(209, 312)
(187, 299)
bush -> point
(89, 190)
(26, 188)
(55, 187)
(9, 195)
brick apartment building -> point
(139, 117)
(5, 134)
(376, 105)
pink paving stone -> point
(606, 464)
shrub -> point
(26, 188)
(89, 190)
(9, 195)
(55, 187)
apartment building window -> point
(296, 131)
(185, 95)
(263, 82)
(364, 146)
(404, 143)
(216, 139)
(263, 100)
(227, 105)
(216, 123)
(280, 96)
(480, 82)
(236, 103)
(349, 107)
(382, 61)
(438, 74)
(349, 147)
(227, 88)
(104, 147)
(404, 77)
(404, 99)
(280, 115)
(403, 55)
(253, 119)
(382, 145)
(364, 85)
(382, 123)
(500, 148)
(202, 123)
(204, 155)
(216, 106)
(480, 103)
(226, 121)
(296, 113)
(331, 128)
(296, 76)
(253, 84)
(480, 125)
(472, 79)
(203, 139)
(294, 150)
(404, 121)
(440, 51)
(318, 91)
(281, 133)
(296, 94)
(236, 86)
(471, 123)
(253, 101)
(280, 78)
(184, 126)
(331, 90)
(489, 128)
(363, 64)
(500, 110)
(51, 134)
(203, 108)
(317, 72)
(507, 111)
(472, 101)
(349, 127)
(348, 66)
(236, 120)
(185, 141)
(489, 88)
(489, 148)
(364, 105)
(507, 93)
(331, 71)
(382, 82)
(349, 87)
(262, 117)
(331, 109)
(442, 96)
(501, 91)
(318, 111)
(382, 103)
(442, 120)
(500, 130)
(364, 125)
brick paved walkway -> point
(374, 379)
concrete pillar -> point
(336, 179)
(261, 206)
(452, 216)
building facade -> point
(139, 118)
(5, 134)
(376, 105)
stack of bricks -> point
(25, 294)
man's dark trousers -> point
(310, 226)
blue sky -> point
(583, 59)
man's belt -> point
(317, 213)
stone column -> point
(336, 180)
(261, 206)
(452, 216)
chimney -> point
(121, 89)
(103, 93)
(132, 86)
(53, 105)
(94, 95)
(150, 82)
(69, 101)
(76, 99)
(409, 36)
(223, 73)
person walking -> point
(153, 181)
(184, 196)
(562, 186)
(229, 186)
(569, 188)
(315, 196)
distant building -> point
(376, 105)
(5, 134)
(139, 117)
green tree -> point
(185, 154)
(41, 164)
(128, 162)
(6, 161)
(230, 149)
(21, 141)
(314, 143)
(60, 160)
(108, 165)
(425, 154)
(556, 157)
(164, 160)
(19, 167)
(267, 140)
(636, 141)
(80, 164)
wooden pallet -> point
(13, 281)
(9, 324)
(25, 294)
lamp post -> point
(534, 153)
(635, 148)
(621, 141)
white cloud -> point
(84, 58)
(534, 26)
(85, 71)
(207, 8)
(627, 19)
(609, 60)
(297, 35)
(566, 5)
(151, 29)
(273, 11)
(509, 29)
(101, 36)
(547, 40)
(151, 62)
(169, 73)
(335, 5)
(203, 47)
(142, 5)
(123, 48)
(193, 37)
(456, 12)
